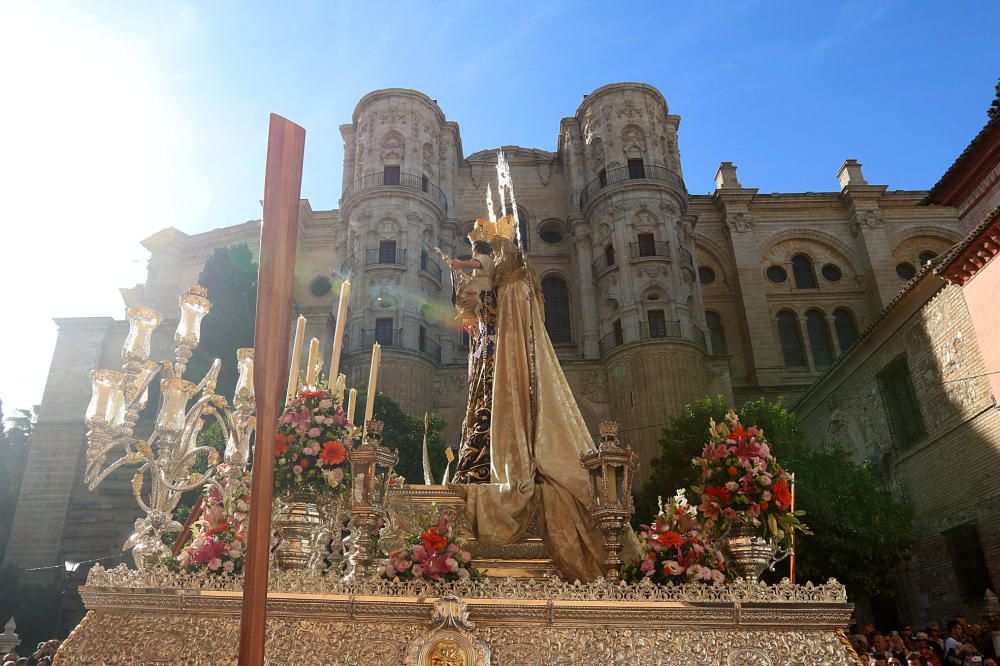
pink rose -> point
(314, 432)
(228, 566)
(325, 403)
(297, 469)
(214, 564)
(729, 513)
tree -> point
(405, 432)
(230, 277)
(14, 441)
(994, 111)
(861, 532)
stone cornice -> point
(398, 92)
(388, 192)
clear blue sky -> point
(134, 116)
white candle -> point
(293, 372)
(338, 334)
(352, 402)
(312, 364)
(372, 381)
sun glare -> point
(85, 174)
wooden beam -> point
(276, 276)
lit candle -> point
(338, 334)
(293, 372)
(312, 364)
(372, 381)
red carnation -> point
(782, 496)
(280, 445)
(433, 541)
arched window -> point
(847, 330)
(802, 271)
(716, 332)
(819, 339)
(791, 339)
(926, 257)
(557, 319)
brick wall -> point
(949, 475)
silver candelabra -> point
(172, 449)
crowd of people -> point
(42, 656)
(961, 644)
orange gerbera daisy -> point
(333, 453)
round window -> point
(926, 257)
(776, 274)
(706, 275)
(320, 286)
(552, 236)
(551, 232)
(905, 270)
(832, 272)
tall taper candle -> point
(338, 334)
(352, 402)
(312, 365)
(372, 381)
(293, 372)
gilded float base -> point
(156, 618)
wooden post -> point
(278, 237)
(791, 559)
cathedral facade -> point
(654, 297)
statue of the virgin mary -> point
(523, 432)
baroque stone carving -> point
(633, 140)
(739, 223)
(393, 145)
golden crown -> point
(487, 230)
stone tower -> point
(633, 231)
(400, 160)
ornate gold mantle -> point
(155, 617)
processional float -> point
(326, 592)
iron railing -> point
(431, 348)
(380, 256)
(686, 258)
(610, 341)
(430, 266)
(407, 181)
(649, 249)
(650, 330)
(604, 261)
(626, 173)
(393, 338)
(385, 337)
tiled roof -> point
(947, 266)
(957, 165)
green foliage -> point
(994, 111)
(860, 530)
(405, 432)
(15, 438)
(230, 277)
(683, 438)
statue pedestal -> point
(409, 505)
(156, 616)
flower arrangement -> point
(742, 485)
(432, 554)
(310, 448)
(218, 541)
(676, 549)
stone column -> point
(734, 201)
(870, 236)
(56, 455)
(588, 292)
